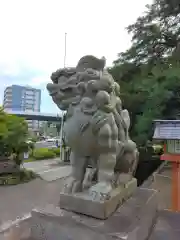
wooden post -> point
(175, 187)
(175, 159)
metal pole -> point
(62, 118)
(65, 50)
(61, 137)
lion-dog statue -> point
(96, 126)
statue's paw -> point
(77, 187)
(120, 179)
(69, 185)
(114, 180)
(72, 185)
(91, 178)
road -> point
(44, 144)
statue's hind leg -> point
(75, 182)
(126, 162)
(93, 172)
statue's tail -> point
(123, 123)
(125, 163)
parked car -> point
(50, 140)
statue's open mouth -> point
(60, 91)
(52, 94)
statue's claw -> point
(72, 186)
(120, 179)
(91, 179)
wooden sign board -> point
(167, 130)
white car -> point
(50, 140)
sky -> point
(32, 37)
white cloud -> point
(32, 32)
(39, 80)
(10, 69)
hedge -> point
(15, 178)
(43, 153)
(56, 151)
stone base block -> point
(132, 221)
(100, 201)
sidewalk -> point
(163, 184)
(16, 201)
(49, 170)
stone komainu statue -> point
(96, 127)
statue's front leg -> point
(75, 182)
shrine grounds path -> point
(18, 200)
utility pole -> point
(65, 50)
(62, 116)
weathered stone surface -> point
(167, 226)
(132, 221)
(99, 201)
(96, 125)
(16, 230)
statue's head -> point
(62, 88)
(72, 85)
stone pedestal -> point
(133, 220)
(100, 201)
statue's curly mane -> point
(67, 72)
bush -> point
(56, 151)
(158, 149)
(27, 175)
(43, 153)
(19, 177)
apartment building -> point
(23, 98)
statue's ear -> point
(90, 61)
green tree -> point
(149, 71)
(13, 135)
(155, 35)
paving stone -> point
(132, 221)
(167, 226)
(55, 173)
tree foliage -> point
(155, 35)
(13, 135)
(149, 71)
